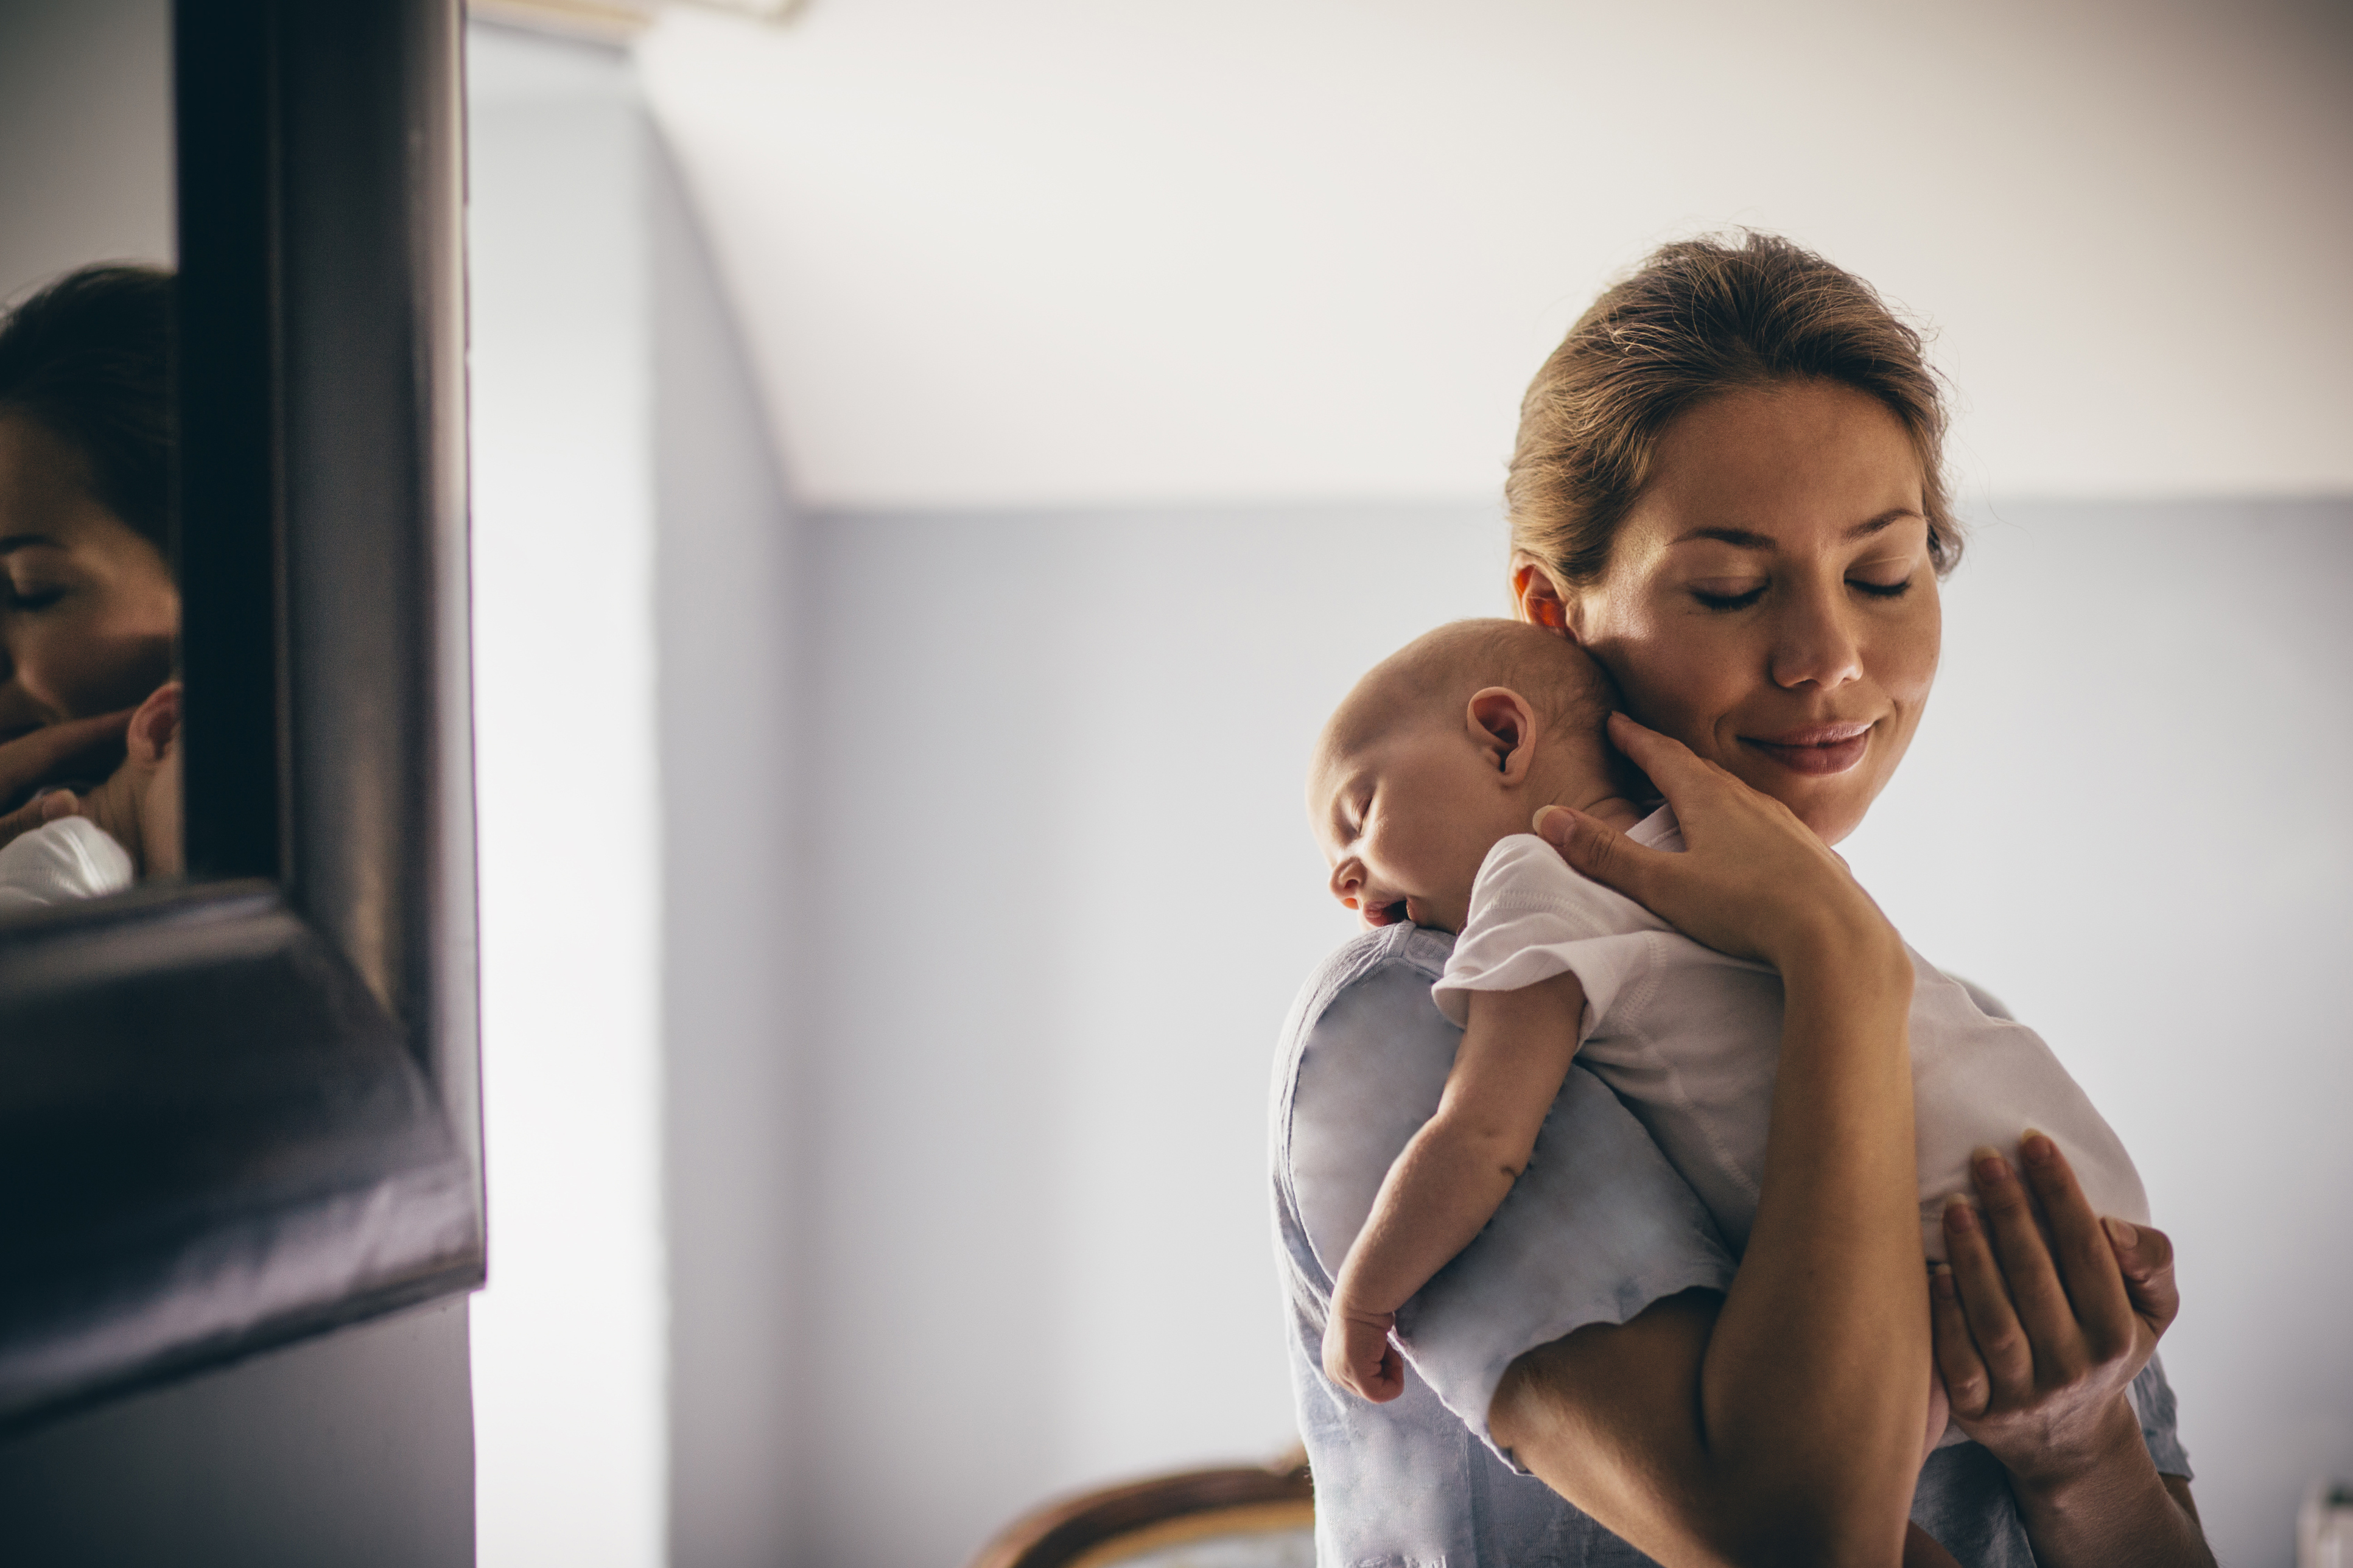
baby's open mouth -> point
(1387, 914)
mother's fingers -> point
(1602, 853)
(1993, 1325)
(1964, 1371)
(2043, 1306)
(1645, 747)
(2086, 1257)
(37, 754)
(1681, 773)
(2145, 1254)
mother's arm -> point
(1783, 1420)
(2038, 1351)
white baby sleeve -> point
(58, 862)
(1532, 918)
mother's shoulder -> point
(1364, 1044)
(1363, 1059)
(1416, 950)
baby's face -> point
(1406, 815)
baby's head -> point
(138, 804)
(1449, 745)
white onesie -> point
(72, 857)
(1691, 1040)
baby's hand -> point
(1358, 1355)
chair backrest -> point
(1242, 1517)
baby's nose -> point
(1347, 880)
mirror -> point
(239, 1106)
(90, 604)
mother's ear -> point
(1537, 597)
(1503, 726)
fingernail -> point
(1991, 1166)
(1560, 829)
(1958, 1215)
(2036, 1147)
(2122, 1232)
(1941, 1282)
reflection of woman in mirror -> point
(1727, 489)
(89, 609)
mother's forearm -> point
(2112, 1508)
(1816, 1375)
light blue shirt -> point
(1597, 1227)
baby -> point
(1422, 790)
(101, 841)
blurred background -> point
(936, 464)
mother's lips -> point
(1814, 748)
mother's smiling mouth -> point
(1814, 749)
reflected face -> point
(1770, 601)
(88, 609)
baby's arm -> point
(1449, 1180)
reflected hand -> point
(1753, 882)
(1358, 1356)
(2037, 1352)
(45, 753)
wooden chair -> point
(1236, 1518)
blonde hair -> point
(1697, 317)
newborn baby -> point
(101, 841)
(1424, 784)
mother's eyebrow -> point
(1746, 538)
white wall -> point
(1067, 253)
(568, 1343)
(85, 136)
(731, 667)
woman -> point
(88, 610)
(1727, 489)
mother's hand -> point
(1754, 882)
(2037, 1355)
(45, 753)
(2037, 1349)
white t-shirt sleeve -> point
(61, 862)
(1532, 918)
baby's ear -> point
(155, 726)
(1503, 724)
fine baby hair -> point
(1435, 675)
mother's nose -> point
(1816, 641)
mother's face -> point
(88, 611)
(1769, 600)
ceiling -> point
(1077, 252)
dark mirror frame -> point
(245, 1108)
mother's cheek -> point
(1677, 685)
